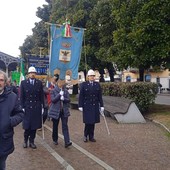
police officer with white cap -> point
(90, 103)
(32, 101)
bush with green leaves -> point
(142, 93)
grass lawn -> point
(160, 113)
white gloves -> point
(62, 98)
(42, 110)
(102, 109)
(61, 93)
(81, 109)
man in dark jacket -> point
(11, 86)
(11, 114)
(32, 101)
(90, 103)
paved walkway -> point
(129, 147)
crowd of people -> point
(35, 102)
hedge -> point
(142, 93)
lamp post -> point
(40, 51)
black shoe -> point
(25, 145)
(92, 140)
(55, 142)
(85, 139)
(32, 145)
(68, 144)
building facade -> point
(162, 77)
(8, 63)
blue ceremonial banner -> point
(65, 51)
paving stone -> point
(128, 147)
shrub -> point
(142, 93)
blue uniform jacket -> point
(32, 100)
(90, 99)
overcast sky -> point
(17, 19)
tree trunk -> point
(141, 74)
(75, 89)
(111, 71)
(85, 74)
(101, 79)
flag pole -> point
(22, 72)
(48, 23)
(42, 126)
(51, 43)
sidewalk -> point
(129, 147)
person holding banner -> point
(59, 109)
(32, 101)
(91, 104)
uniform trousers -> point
(3, 162)
(89, 130)
(65, 131)
(29, 134)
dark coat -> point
(13, 89)
(11, 114)
(46, 92)
(90, 99)
(32, 100)
(57, 105)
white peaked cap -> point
(32, 70)
(91, 73)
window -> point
(147, 78)
(128, 78)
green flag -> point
(15, 77)
(22, 71)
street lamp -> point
(40, 51)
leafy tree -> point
(39, 38)
(142, 37)
(27, 46)
(101, 20)
(40, 35)
(78, 12)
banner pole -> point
(48, 23)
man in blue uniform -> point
(32, 101)
(90, 103)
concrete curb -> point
(156, 122)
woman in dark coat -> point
(90, 103)
(59, 109)
(11, 114)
